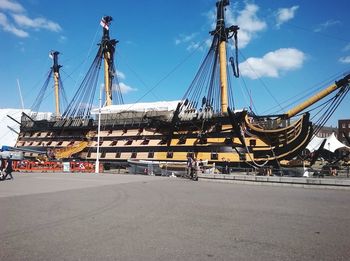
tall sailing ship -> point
(203, 124)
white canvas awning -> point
(139, 107)
(8, 127)
(314, 144)
(332, 144)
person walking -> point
(8, 168)
(189, 166)
(2, 169)
(194, 169)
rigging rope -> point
(334, 104)
(234, 61)
(261, 81)
(203, 93)
(80, 105)
(305, 94)
(37, 102)
(43, 94)
(176, 67)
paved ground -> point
(126, 217)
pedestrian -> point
(269, 171)
(2, 164)
(195, 167)
(189, 166)
(2, 167)
(201, 166)
(228, 163)
(335, 173)
(8, 168)
(224, 169)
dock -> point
(328, 183)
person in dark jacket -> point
(8, 168)
(2, 169)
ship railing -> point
(270, 123)
(67, 137)
(40, 116)
(59, 124)
(121, 115)
(190, 114)
(27, 124)
(79, 122)
(122, 122)
(136, 116)
(72, 122)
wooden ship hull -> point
(201, 125)
(151, 138)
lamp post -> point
(97, 164)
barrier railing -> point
(54, 166)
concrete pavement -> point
(129, 217)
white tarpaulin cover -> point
(8, 136)
(139, 107)
(332, 144)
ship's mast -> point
(108, 48)
(56, 76)
(220, 28)
(223, 35)
(323, 93)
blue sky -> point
(292, 46)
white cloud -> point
(345, 59)
(346, 48)
(36, 23)
(272, 63)
(211, 16)
(194, 46)
(11, 6)
(62, 39)
(20, 21)
(324, 26)
(126, 88)
(8, 27)
(120, 75)
(182, 38)
(191, 43)
(248, 21)
(285, 14)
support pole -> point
(97, 164)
